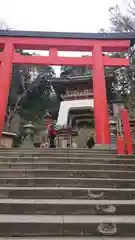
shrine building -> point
(77, 102)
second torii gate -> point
(54, 42)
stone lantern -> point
(29, 130)
(115, 123)
(118, 106)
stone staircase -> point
(66, 194)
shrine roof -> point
(67, 35)
(76, 79)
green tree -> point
(3, 25)
(124, 21)
(30, 93)
(121, 21)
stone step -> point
(15, 173)
(67, 182)
(67, 225)
(71, 166)
(67, 238)
(67, 193)
(40, 150)
(57, 153)
(61, 156)
(71, 193)
(53, 152)
(67, 207)
(55, 159)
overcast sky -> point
(57, 15)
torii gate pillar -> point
(5, 80)
(100, 99)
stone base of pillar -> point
(103, 146)
(6, 140)
(27, 143)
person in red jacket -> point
(52, 136)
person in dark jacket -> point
(91, 142)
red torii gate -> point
(54, 42)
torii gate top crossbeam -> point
(70, 35)
(111, 42)
(55, 42)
